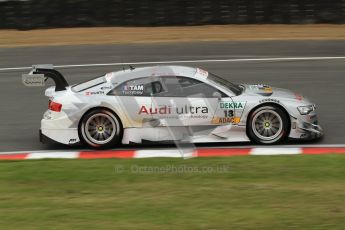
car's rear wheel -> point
(100, 128)
(268, 125)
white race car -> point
(170, 103)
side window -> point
(137, 87)
(186, 87)
(170, 87)
(188, 82)
(157, 87)
(197, 88)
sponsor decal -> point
(33, 79)
(260, 87)
(229, 113)
(269, 100)
(71, 141)
(94, 93)
(108, 76)
(105, 87)
(173, 110)
(226, 120)
(264, 89)
(232, 105)
(202, 72)
(133, 89)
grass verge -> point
(249, 192)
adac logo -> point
(232, 105)
(226, 120)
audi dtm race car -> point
(169, 103)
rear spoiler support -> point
(48, 71)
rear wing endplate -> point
(40, 73)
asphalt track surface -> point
(323, 81)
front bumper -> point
(306, 128)
(311, 131)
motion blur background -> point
(29, 14)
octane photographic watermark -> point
(178, 117)
(172, 169)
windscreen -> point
(236, 89)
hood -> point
(265, 90)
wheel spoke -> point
(108, 131)
(106, 135)
(93, 135)
(262, 131)
(275, 129)
(270, 133)
(92, 131)
(275, 119)
(266, 116)
(259, 124)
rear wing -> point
(40, 73)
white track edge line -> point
(275, 151)
(62, 155)
(184, 61)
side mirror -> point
(217, 95)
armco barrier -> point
(29, 14)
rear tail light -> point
(54, 106)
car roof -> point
(159, 71)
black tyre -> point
(268, 125)
(100, 128)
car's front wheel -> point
(268, 125)
(100, 128)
